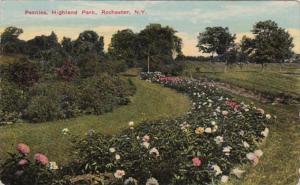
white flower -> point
(130, 181)
(225, 112)
(224, 178)
(154, 152)
(217, 170)
(237, 172)
(215, 128)
(152, 181)
(65, 131)
(268, 116)
(119, 174)
(213, 123)
(219, 140)
(227, 150)
(251, 156)
(246, 110)
(258, 153)
(1, 183)
(146, 144)
(131, 123)
(52, 166)
(265, 133)
(208, 130)
(118, 157)
(246, 145)
(112, 150)
(241, 132)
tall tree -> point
(123, 46)
(271, 43)
(10, 42)
(158, 45)
(215, 40)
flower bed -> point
(201, 147)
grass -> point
(150, 102)
(271, 81)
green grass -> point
(150, 102)
(271, 81)
(280, 162)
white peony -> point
(118, 157)
(146, 144)
(152, 181)
(258, 153)
(246, 145)
(224, 179)
(112, 150)
(119, 174)
(131, 123)
(217, 170)
(219, 140)
(52, 166)
(268, 116)
(154, 152)
(130, 181)
(265, 133)
(208, 130)
(237, 172)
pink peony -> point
(225, 113)
(23, 149)
(196, 161)
(41, 158)
(260, 111)
(23, 162)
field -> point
(150, 102)
(271, 81)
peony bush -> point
(204, 146)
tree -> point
(215, 40)
(123, 46)
(10, 42)
(158, 45)
(271, 43)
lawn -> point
(150, 102)
(271, 81)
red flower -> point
(196, 162)
(23, 149)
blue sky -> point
(187, 17)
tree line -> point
(154, 48)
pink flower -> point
(146, 138)
(23, 148)
(196, 161)
(23, 162)
(225, 112)
(260, 111)
(41, 158)
(154, 152)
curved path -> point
(150, 102)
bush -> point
(12, 102)
(23, 72)
(42, 108)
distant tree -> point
(158, 45)
(271, 43)
(123, 46)
(215, 40)
(10, 42)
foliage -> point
(215, 40)
(19, 169)
(271, 43)
(13, 100)
(10, 43)
(23, 72)
(68, 71)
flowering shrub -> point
(19, 169)
(200, 147)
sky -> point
(188, 18)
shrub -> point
(23, 72)
(68, 71)
(12, 102)
(19, 169)
(42, 108)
